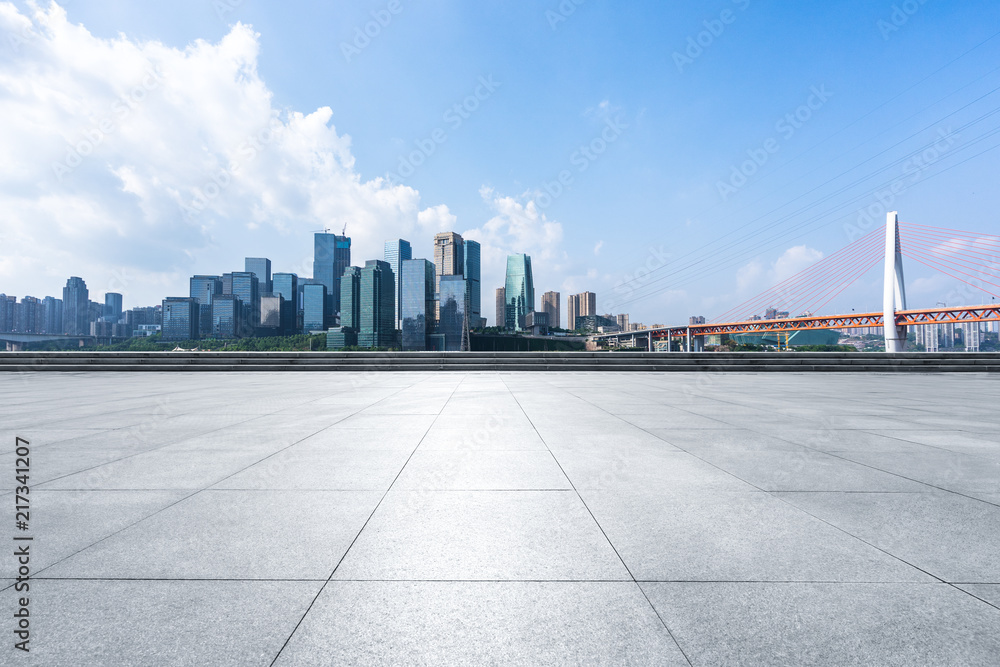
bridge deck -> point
(330, 518)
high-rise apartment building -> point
(315, 308)
(8, 306)
(550, 305)
(181, 318)
(350, 299)
(53, 314)
(378, 319)
(260, 267)
(580, 305)
(519, 291)
(501, 306)
(397, 252)
(418, 282)
(29, 316)
(76, 307)
(331, 255)
(472, 271)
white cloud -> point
(597, 248)
(756, 276)
(132, 158)
(518, 226)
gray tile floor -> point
(519, 518)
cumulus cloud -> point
(518, 225)
(134, 164)
(758, 276)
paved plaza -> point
(517, 518)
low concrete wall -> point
(501, 361)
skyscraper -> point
(53, 314)
(204, 289)
(580, 305)
(472, 272)
(331, 255)
(350, 298)
(454, 299)
(112, 306)
(76, 307)
(287, 285)
(501, 307)
(181, 317)
(550, 305)
(519, 292)
(315, 310)
(261, 267)
(378, 319)
(8, 304)
(228, 319)
(29, 316)
(449, 256)
(247, 288)
(418, 281)
(397, 252)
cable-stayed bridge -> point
(971, 258)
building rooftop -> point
(327, 518)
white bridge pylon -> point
(894, 289)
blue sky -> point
(888, 73)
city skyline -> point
(652, 173)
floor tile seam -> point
(974, 596)
(807, 513)
(600, 527)
(363, 526)
(166, 507)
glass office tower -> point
(247, 288)
(181, 317)
(287, 285)
(315, 309)
(331, 255)
(205, 289)
(228, 316)
(453, 300)
(417, 280)
(112, 307)
(378, 319)
(397, 252)
(473, 270)
(519, 292)
(350, 298)
(260, 267)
